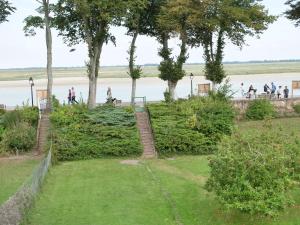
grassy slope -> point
(151, 71)
(155, 192)
(12, 174)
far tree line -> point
(207, 23)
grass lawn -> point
(12, 175)
(154, 192)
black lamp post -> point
(31, 85)
(192, 77)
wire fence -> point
(13, 210)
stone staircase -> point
(43, 130)
(143, 123)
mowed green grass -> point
(151, 71)
(12, 175)
(155, 192)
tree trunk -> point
(172, 86)
(94, 65)
(49, 55)
(133, 90)
(131, 67)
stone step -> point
(145, 130)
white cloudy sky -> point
(280, 41)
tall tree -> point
(43, 22)
(173, 21)
(89, 21)
(294, 12)
(6, 9)
(135, 25)
(216, 21)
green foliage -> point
(215, 119)
(253, 173)
(167, 96)
(102, 132)
(18, 129)
(6, 9)
(297, 108)
(260, 109)
(19, 138)
(294, 12)
(190, 126)
(11, 118)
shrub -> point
(297, 108)
(11, 118)
(20, 138)
(260, 109)
(191, 126)
(252, 173)
(215, 119)
(167, 96)
(102, 132)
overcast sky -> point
(280, 41)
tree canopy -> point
(213, 22)
(6, 9)
(294, 12)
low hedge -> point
(103, 132)
(190, 126)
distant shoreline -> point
(151, 71)
(62, 81)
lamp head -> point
(31, 81)
(191, 76)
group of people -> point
(271, 91)
(72, 96)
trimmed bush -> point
(190, 126)
(260, 109)
(20, 138)
(252, 173)
(102, 132)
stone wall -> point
(281, 105)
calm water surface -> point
(152, 88)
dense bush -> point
(18, 129)
(191, 126)
(103, 132)
(252, 173)
(18, 139)
(215, 119)
(260, 109)
(297, 108)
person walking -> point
(109, 98)
(279, 92)
(267, 89)
(70, 97)
(286, 92)
(73, 96)
(242, 90)
(273, 88)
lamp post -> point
(192, 77)
(31, 85)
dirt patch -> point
(20, 158)
(130, 162)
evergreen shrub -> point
(260, 109)
(79, 133)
